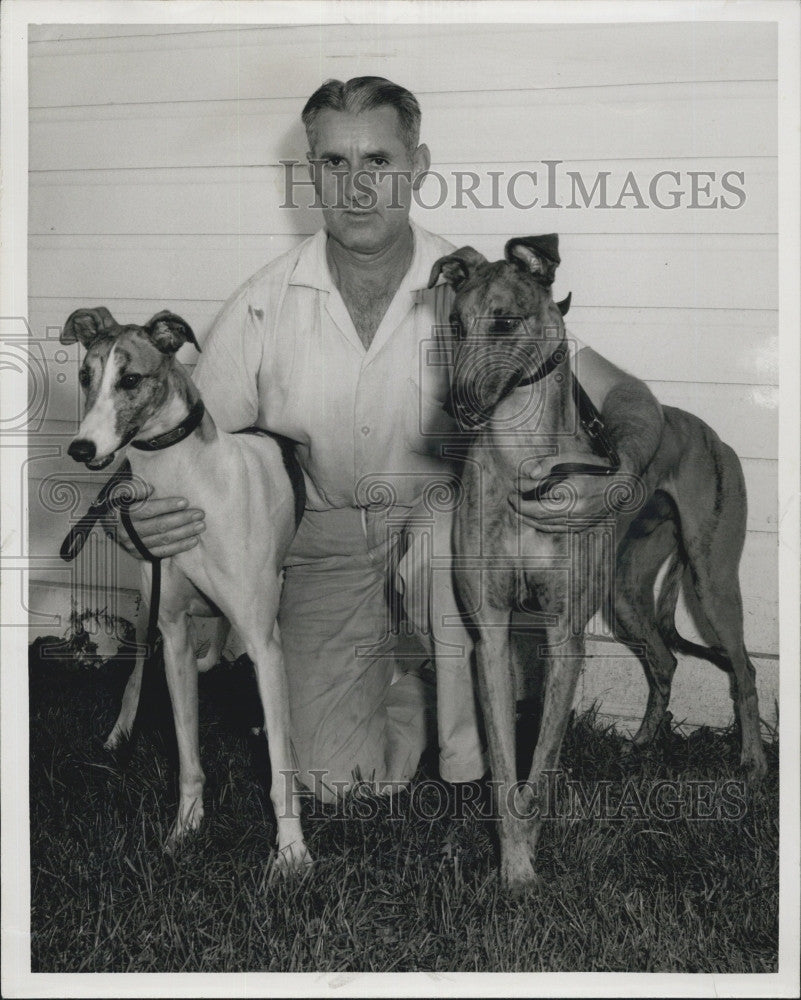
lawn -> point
(412, 888)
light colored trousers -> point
(366, 601)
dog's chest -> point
(520, 566)
(542, 580)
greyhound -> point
(512, 372)
(251, 489)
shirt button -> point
(365, 430)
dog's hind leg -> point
(722, 604)
(713, 531)
(133, 689)
(638, 622)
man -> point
(324, 345)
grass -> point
(398, 893)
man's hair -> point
(363, 93)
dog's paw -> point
(291, 859)
(176, 839)
(652, 729)
(187, 823)
(518, 874)
(116, 739)
(755, 768)
(521, 885)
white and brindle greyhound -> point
(140, 398)
(512, 372)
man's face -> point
(363, 176)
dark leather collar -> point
(557, 356)
(190, 423)
(555, 359)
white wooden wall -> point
(155, 182)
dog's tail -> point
(666, 618)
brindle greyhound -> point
(251, 489)
(512, 372)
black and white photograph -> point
(400, 525)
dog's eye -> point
(503, 325)
(130, 381)
(84, 376)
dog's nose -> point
(81, 450)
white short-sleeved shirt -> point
(284, 354)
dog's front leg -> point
(181, 671)
(563, 667)
(496, 684)
(268, 660)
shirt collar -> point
(311, 267)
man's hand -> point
(167, 525)
(551, 512)
(634, 422)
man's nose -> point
(82, 450)
(357, 187)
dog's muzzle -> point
(465, 415)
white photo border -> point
(17, 979)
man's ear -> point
(421, 164)
(86, 325)
(455, 268)
(538, 254)
(169, 332)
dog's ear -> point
(86, 325)
(169, 332)
(455, 267)
(564, 305)
(538, 254)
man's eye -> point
(379, 162)
(84, 377)
(503, 325)
(333, 161)
(130, 381)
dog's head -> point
(125, 376)
(506, 321)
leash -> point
(593, 426)
(106, 501)
(103, 504)
(590, 419)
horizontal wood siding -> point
(156, 182)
